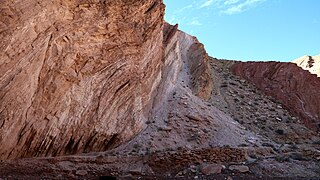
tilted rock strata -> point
(200, 71)
(310, 63)
(296, 89)
(76, 76)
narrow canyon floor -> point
(239, 133)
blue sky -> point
(280, 30)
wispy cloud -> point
(229, 2)
(195, 22)
(230, 7)
(239, 7)
(207, 3)
(184, 8)
(180, 16)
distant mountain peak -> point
(310, 63)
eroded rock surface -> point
(76, 76)
(295, 88)
(91, 76)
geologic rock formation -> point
(295, 88)
(310, 63)
(76, 76)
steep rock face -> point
(310, 63)
(200, 70)
(196, 68)
(76, 76)
(186, 62)
(295, 88)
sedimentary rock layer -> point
(295, 88)
(76, 76)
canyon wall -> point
(295, 88)
(76, 76)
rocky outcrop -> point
(195, 67)
(296, 89)
(310, 63)
(201, 79)
(76, 76)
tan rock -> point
(76, 77)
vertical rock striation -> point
(76, 76)
(202, 82)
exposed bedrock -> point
(190, 58)
(76, 76)
(295, 88)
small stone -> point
(192, 117)
(229, 178)
(211, 169)
(136, 171)
(167, 129)
(280, 131)
(240, 168)
(81, 172)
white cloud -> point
(207, 4)
(195, 22)
(236, 8)
(229, 2)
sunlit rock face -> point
(76, 76)
(295, 88)
(310, 63)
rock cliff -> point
(310, 63)
(295, 88)
(76, 76)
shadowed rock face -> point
(76, 76)
(295, 88)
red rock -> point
(81, 172)
(295, 88)
(212, 169)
